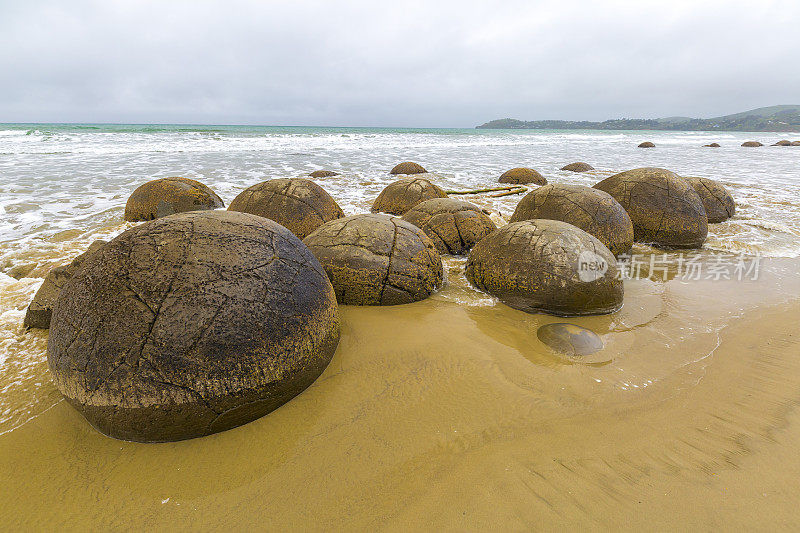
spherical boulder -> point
(752, 144)
(647, 144)
(717, 201)
(522, 176)
(664, 208)
(712, 145)
(192, 324)
(594, 211)
(322, 174)
(569, 339)
(454, 226)
(783, 143)
(408, 167)
(296, 203)
(377, 260)
(401, 195)
(167, 196)
(547, 266)
(578, 167)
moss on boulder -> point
(522, 176)
(401, 195)
(454, 226)
(408, 167)
(717, 201)
(167, 196)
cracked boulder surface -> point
(542, 266)
(454, 226)
(295, 203)
(716, 199)
(752, 144)
(647, 144)
(167, 196)
(322, 174)
(580, 166)
(592, 210)
(40, 309)
(192, 324)
(522, 176)
(377, 260)
(664, 208)
(408, 167)
(401, 195)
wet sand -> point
(442, 415)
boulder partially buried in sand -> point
(548, 266)
(578, 167)
(167, 196)
(522, 176)
(454, 226)
(647, 144)
(717, 201)
(190, 325)
(752, 144)
(377, 260)
(594, 211)
(570, 339)
(41, 308)
(408, 167)
(322, 174)
(664, 208)
(295, 203)
(401, 195)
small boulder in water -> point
(712, 145)
(522, 176)
(578, 167)
(647, 144)
(167, 196)
(752, 144)
(322, 174)
(783, 143)
(795, 143)
(408, 167)
(569, 339)
(401, 195)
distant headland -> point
(774, 118)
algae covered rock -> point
(522, 176)
(167, 196)
(664, 208)
(377, 260)
(41, 308)
(717, 201)
(192, 324)
(594, 211)
(454, 226)
(647, 144)
(408, 167)
(548, 266)
(752, 144)
(295, 203)
(570, 339)
(578, 167)
(401, 195)
(322, 174)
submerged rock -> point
(377, 260)
(712, 145)
(167, 196)
(454, 226)
(190, 325)
(408, 167)
(569, 339)
(322, 174)
(647, 144)
(295, 203)
(578, 167)
(41, 308)
(752, 144)
(717, 201)
(548, 266)
(522, 176)
(594, 211)
(664, 208)
(401, 195)
(783, 143)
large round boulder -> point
(578, 167)
(717, 201)
(401, 195)
(547, 266)
(647, 144)
(296, 203)
(752, 144)
(522, 176)
(190, 325)
(167, 196)
(408, 167)
(594, 211)
(664, 208)
(454, 226)
(377, 260)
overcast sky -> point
(399, 63)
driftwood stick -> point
(478, 191)
(509, 193)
